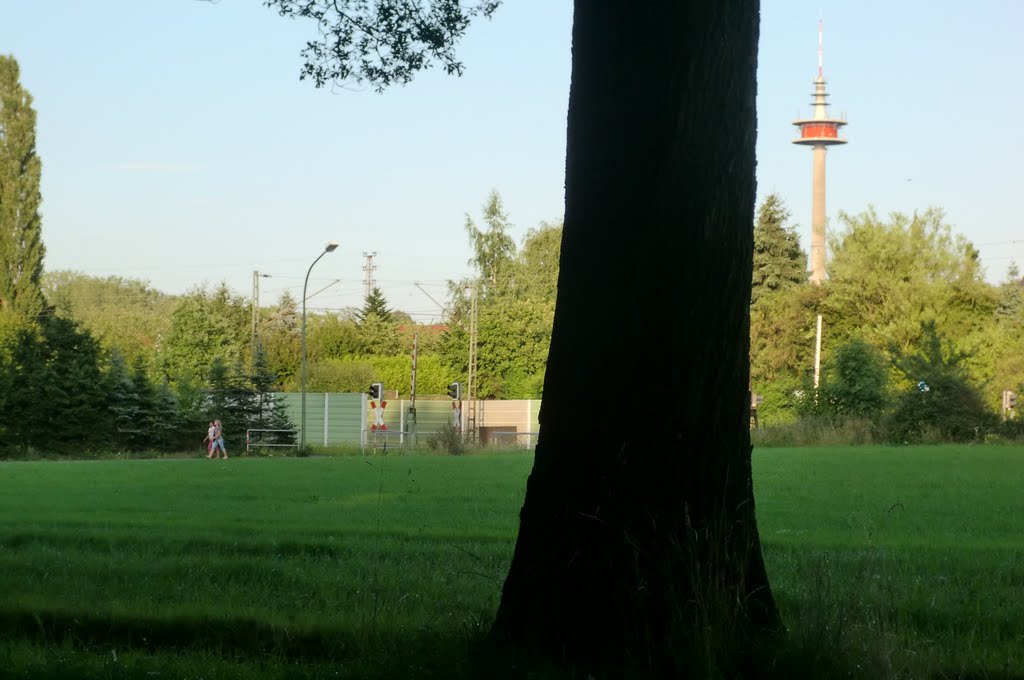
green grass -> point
(907, 561)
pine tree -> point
(375, 304)
(1010, 306)
(778, 259)
(270, 412)
(21, 246)
(168, 421)
(121, 403)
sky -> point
(180, 147)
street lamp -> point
(331, 245)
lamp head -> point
(331, 245)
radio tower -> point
(818, 132)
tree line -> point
(915, 342)
(90, 364)
(177, 339)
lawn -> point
(391, 566)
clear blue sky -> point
(179, 146)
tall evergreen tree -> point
(1010, 306)
(375, 303)
(778, 259)
(21, 245)
(231, 401)
(55, 398)
(168, 422)
(122, 409)
(269, 411)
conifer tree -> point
(21, 245)
(375, 304)
(778, 259)
(121, 403)
(269, 412)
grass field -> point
(909, 561)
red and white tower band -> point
(819, 132)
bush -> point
(856, 381)
(945, 408)
(447, 439)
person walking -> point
(218, 442)
(211, 437)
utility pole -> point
(471, 381)
(817, 359)
(256, 276)
(412, 390)
(369, 268)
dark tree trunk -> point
(638, 543)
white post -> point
(817, 356)
(326, 397)
(362, 422)
(401, 421)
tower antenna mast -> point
(819, 132)
(820, 51)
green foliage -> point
(280, 339)
(241, 401)
(382, 43)
(269, 412)
(168, 425)
(330, 336)
(536, 267)
(856, 380)
(231, 401)
(782, 331)
(1010, 305)
(53, 400)
(21, 243)
(940, 404)
(354, 373)
(514, 336)
(123, 314)
(783, 306)
(782, 403)
(493, 248)
(889, 279)
(379, 336)
(447, 440)
(779, 262)
(515, 298)
(205, 326)
(374, 305)
(124, 406)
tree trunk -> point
(638, 547)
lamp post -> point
(331, 245)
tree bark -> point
(638, 544)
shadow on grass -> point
(821, 649)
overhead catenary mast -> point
(369, 283)
(819, 132)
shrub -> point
(447, 439)
(856, 381)
(944, 408)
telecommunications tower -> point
(819, 132)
